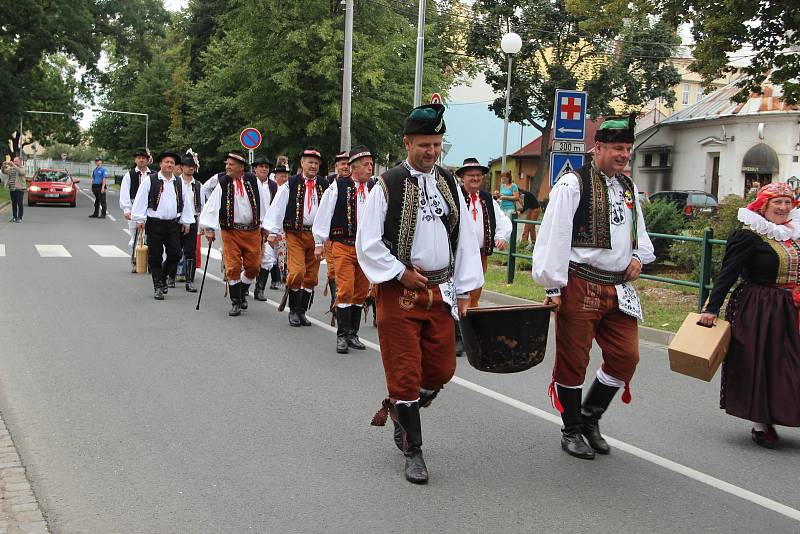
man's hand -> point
(463, 304)
(500, 244)
(210, 235)
(707, 319)
(412, 279)
(318, 250)
(185, 229)
(128, 215)
(633, 271)
(553, 300)
(272, 239)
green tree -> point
(764, 34)
(613, 49)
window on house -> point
(648, 160)
(685, 99)
(699, 92)
(663, 159)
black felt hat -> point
(141, 152)
(357, 153)
(471, 163)
(237, 155)
(280, 168)
(188, 159)
(619, 129)
(261, 160)
(312, 152)
(169, 154)
(342, 156)
(425, 120)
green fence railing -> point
(703, 283)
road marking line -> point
(111, 217)
(109, 251)
(52, 251)
(642, 454)
(127, 232)
(2, 250)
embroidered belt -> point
(241, 226)
(344, 241)
(598, 276)
(437, 277)
(156, 219)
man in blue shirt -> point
(99, 185)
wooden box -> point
(698, 351)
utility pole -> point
(420, 54)
(347, 78)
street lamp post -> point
(511, 44)
(146, 121)
(38, 113)
(347, 78)
(420, 54)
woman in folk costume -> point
(761, 372)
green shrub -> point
(662, 217)
(723, 223)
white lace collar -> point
(779, 232)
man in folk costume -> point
(261, 168)
(341, 209)
(163, 209)
(492, 227)
(592, 244)
(280, 175)
(341, 170)
(190, 165)
(293, 211)
(237, 209)
(127, 192)
(415, 243)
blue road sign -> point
(569, 115)
(562, 163)
(250, 138)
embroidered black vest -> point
(343, 222)
(154, 197)
(402, 197)
(591, 224)
(226, 208)
(489, 220)
(135, 177)
(293, 219)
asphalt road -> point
(133, 415)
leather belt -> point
(598, 276)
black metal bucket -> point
(506, 339)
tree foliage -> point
(728, 29)
(613, 49)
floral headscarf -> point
(768, 192)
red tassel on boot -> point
(626, 395)
(379, 419)
(553, 394)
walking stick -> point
(203, 281)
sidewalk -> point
(19, 510)
(650, 335)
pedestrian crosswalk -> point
(103, 251)
(2, 250)
(52, 251)
(109, 251)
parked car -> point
(690, 203)
(52, 186)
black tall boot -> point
(294, 306)
(305, 303)
(342, 329)
(571, 437)
(236, 307)
(355, 323)
(275, 274)
(408, 419)
(261, 285)
(597, 400)
(189, 269)
(244, 290)
(158, 292)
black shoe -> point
(305, 303)
(158, 290)
(408, 418)
(190, 272)
(235, 292)
(171, 282)
(261, 284)
(93, 216)
(571, 438)
(594, 406)
(343, 330)
(355, 321)
(245, 291)
(294, 304)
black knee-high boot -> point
(408, 419)
(594, 406)
(261, 285)
(571, 437)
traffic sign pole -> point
(250, 157)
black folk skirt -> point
(761, 372)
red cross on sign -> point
(570, 108)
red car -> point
(51, 186)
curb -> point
(646, 333)
(4, 204)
